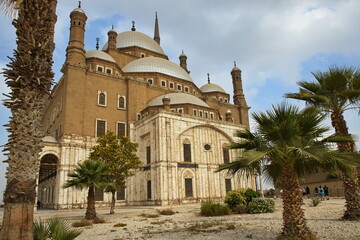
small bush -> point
(209, 208)
(120, 225)
(54, 228)
(249, 195)
(82, 223)
(314, 202)
(150, 215)
(98, 220)
(235, 197)
(240, 209)
(167, 211)
(260, 205)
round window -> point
(207, 147)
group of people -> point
(322, 192)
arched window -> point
(121, 102)
(187, 150)
(101, 98)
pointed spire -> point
(112, 27)
(208, 78)
(97, 43)
(133, 26)
(234, 63)
(156, 31)
(79, 4)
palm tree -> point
(29, 76)
(285, 145)
(334, 92)
(91, 175)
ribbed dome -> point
(99, 54)
(211, 87)
(158, 65)
(133, 38)
(177, 98)
(235, 69)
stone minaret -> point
(112, 34)
(156, 31)
(239, 98)
(183, 63)
(75, 52)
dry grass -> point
(98, 220)
(167, 211)
(82, 223)
(149, 215)
(120, 225)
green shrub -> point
(240, 209)
(235, 197)
(260, 205)
(249, 195)
(314, 202)
(209, 208)
(54, 228)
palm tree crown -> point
(287, 146)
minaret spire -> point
(156, 31)
(97, 43)
(133, 26)
(208, 78)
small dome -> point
(78, 10)
(157, 65)
(112, 30)
(228, 111)
(49, 139)
(100, 55)
(211, 87)
(134, 38)
(235, 69)
(177, 98)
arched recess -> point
(212, 127)
(47, 181)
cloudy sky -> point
(274, 42)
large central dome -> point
(159, 65)
(133, 38)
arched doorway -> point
(47, 181)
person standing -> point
(321, 193)
(326, 192)
(307, 191)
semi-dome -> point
(211, 87)
(177, 98)
(49, 139)
(99, 54)
(134, 38)
(157, 65)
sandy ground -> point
(187, 223)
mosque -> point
(130, 87)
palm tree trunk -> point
(29, 77)
(294, 222)
(351, 186)
(90, 210)
(112, 207)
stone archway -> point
(47, 181)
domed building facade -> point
(131, 88)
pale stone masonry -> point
(131, 88)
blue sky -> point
(274, 42)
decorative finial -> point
(234, 63)
(208, 78)
(112, 27)
(156, 14)
(79, 4)
(133, 26)
(97, 43)
(182, 51)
